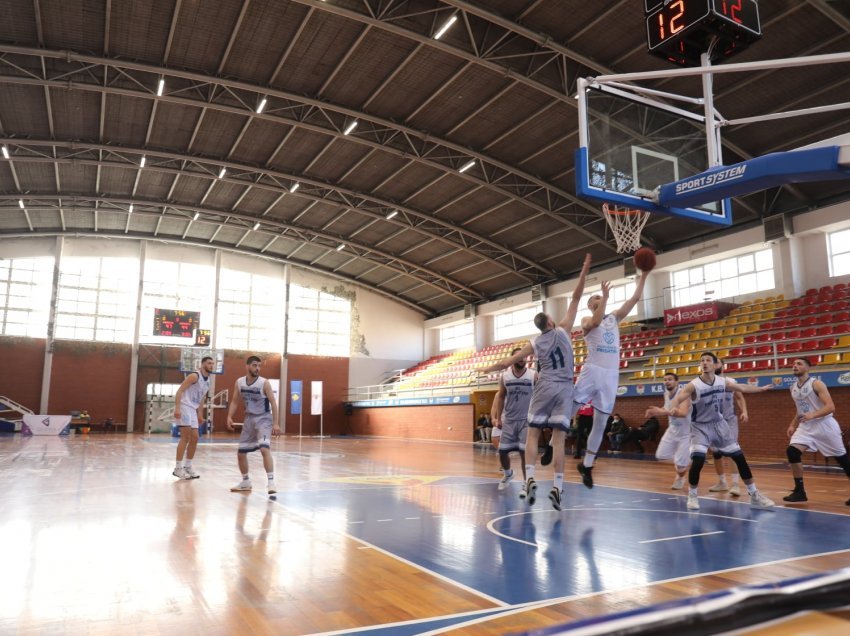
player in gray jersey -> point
(703, 397)
(731, 400)
(676, 442)
(188, 402)
(551, 398)
(260, 423)
(510, 415)
(813, 428)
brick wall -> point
(333, 373)
(21, 365)
(453, 422)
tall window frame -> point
(617, 295)
(515, 324)
(26, 285)
(176, 285)
(319, 322)
(740, 275)
(838, 248)
(250, 311)
(459, 336)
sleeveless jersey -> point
(708, 400)
(195, 394)
(668, 404)
(603, 344)
(256, 402)
(518, 394)
(807, 400)
(728, 407)
(554, 352)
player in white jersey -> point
(675, 445)
(708, 428)
(188, 402)
(260, 423)
(510, 415)
(731, 400)
(813, 428)
(552, 395)
(600, 374)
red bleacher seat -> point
(785, 363)
(793, 322)
(810, 345)
(839, 305)
(751, 339)
(789, 347)
(827, 343)
(748, 351)
(791, 334)
(764, 350)
(809, 333)
(781, 313)
(841, 328)
(762, 365)
(808, 310)
(624, 364)
(826, 330)
(732, 367)
(808, 321)
(810, 292)
(735, 352)
(839, 286)
(763, 337)
(793, 311)
(779, 324)
(766, 325)
(796, 302)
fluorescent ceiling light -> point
(467, 165)
(391, 214)
(222, 172)
(350, 127)
(442, 30)
(142, 164)
(131, 209)
(341, 247)
(257, 225)
(197, 214)
(160, 87)
(21, 203)
(5, 152)
(261, 106)
(294, 187)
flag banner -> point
(295, 391)
(316, 402)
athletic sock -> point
(529, 471)
(187, 463)
(509, 473)
(245, 477)
(735, 479)
(751, 488)
(798, 484)
(692, 491)
(559, 481)
(271, 476)
(178, 465)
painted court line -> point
(684, 536)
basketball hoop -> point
(626, 225)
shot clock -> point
(681, 30)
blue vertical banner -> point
(295, 392)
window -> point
(616, 297)
(250, 311)
(319, 323)
(516, 324)
(838, 244)
(457, 336)
(735, 276)
(172, 285)
(96, 299)
(25, 286)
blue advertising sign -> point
(295, 392)
(414, 401)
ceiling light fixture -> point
(261, 106)
(350, 127)
(142, 164)
(160, 87)
(341, 247)
(391, 214)
(442, 30)
(222, 172)
(21, 203)
(257, 225)
(294, 187)
(467, 165)
(5, 152)
(131, 209)
(197, 214)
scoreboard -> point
(175, 322)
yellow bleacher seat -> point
(845, 358)
(678, 347)
(684, 337)
(740, 330)
(832, 358)
(724, 342)
(722, 353)
(753, 327)
(843, 343)
(663, 359)
(668, 348)
(659, 373)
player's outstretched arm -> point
(746, 388)
(504, 363)
(569, 319)
(592, 322)
(626, 308)
(680, 406)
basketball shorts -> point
(256, 432)
(822, 435)
(597, 385)
(551, 403)
(716, 435)
(675, 445)
(514, 433)
(188, 417)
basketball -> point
(645, 259)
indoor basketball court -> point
(345, 214)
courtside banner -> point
(414, 401)
(295, 392)
(316, 401)
(701, 312)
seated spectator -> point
(616, 432)
(484, 428)
(647, 431)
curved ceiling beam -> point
(343, 197)
(558, 197)
(145, 207)
(113, 234)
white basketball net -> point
(626, 225)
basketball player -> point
(510, 415)
(259, 425)
(813, 428)
(676, 443)
(708, 428)
(600, 374)
(188, 402)
(551, 397)
(730, 400)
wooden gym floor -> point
(379, 536)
